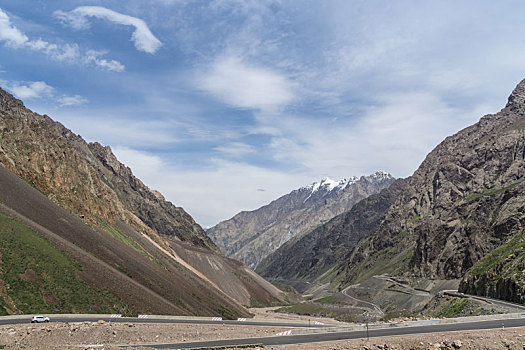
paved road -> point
(248, 322)
(455, 293)
(324, 337)
(374, 309)
(411, 290)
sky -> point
(225, 105)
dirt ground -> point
(103, 335)
(266, 313)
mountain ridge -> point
(465, 200)
(307, 258)
(101, 202)
(251, 235)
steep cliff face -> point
(132, 230)
(251, 236)
(464, 200)
(308, 257)
(150, 206)
(499, 274)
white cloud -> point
(65, 52)
(246, 86)
(71, 100)
(394, 135)
(142, 37)
(34, 89)
(13, 37)
(93, 56)
(39, 89)
(10, 34)
(145, 164)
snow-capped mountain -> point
(250, 236)
(328, 184)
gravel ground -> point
(102, 335)
(265, 313)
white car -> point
(39, 319)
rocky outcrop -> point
(251, 236)
(308, 257)
(499, 274)
(465, 199)
(150, 206)
(63, 166)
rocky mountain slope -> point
(466, 199)
(309, 257)
(125, 240)
(250, 236)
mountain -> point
(250, 236)
(119, 241)
(317, 252)
(461, 214)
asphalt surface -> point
(455, 293)
(324, 337)
(248, 322)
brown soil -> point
(268, 313)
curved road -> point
(324, 337)
(374, 309)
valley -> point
(371, 250)
(455, 224)
(266, 174)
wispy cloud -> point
(389, 136)
(71, 100)
(14, 38)
(142, 36)
(39, 90)
(9, 33)
(94, 57)
(246, 86)
(34, 89)
(235, 149)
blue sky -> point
(226, 105)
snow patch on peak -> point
(380, 175)
(328, 185)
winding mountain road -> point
(374, 308)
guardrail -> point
(360, 327)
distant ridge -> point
(299, 262)
(253, 235)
